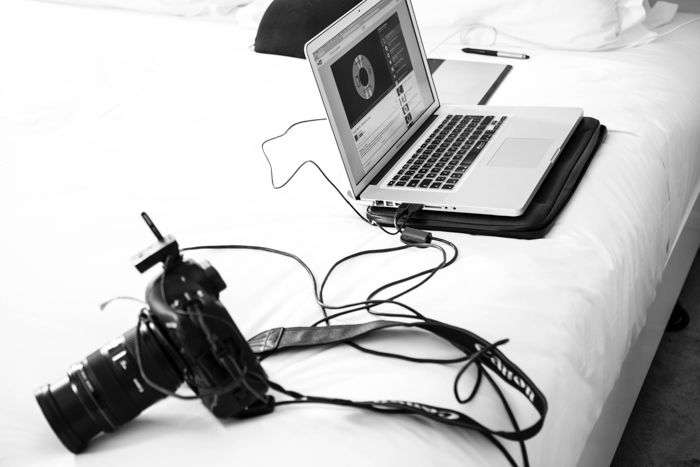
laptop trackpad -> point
(521, 153)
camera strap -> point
(477, 351)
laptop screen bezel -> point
(320, 41)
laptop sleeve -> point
(538, 218)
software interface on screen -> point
(375, 91)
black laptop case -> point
(538, 218)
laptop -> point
(400, 145)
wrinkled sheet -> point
(105, 114)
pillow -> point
(559, 24)
(631, 13)
(288, 24)
(565, 24)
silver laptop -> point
(399, 145)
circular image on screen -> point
(363, 76)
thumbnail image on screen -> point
(363, 77)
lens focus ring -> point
(107, 390)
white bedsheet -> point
(104, 114)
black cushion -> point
(288, 24)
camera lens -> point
(106, 390)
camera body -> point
(216, 360)
(185, 334)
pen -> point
(496, 53)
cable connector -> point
(412, 236)
(405, 211)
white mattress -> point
(106, 113)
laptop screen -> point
(376, 85)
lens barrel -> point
(106, 390)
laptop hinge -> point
(421, 130)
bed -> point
(107, 113)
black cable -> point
(235, 371)
(362, 304)
(207, 392)
(367, 252)
(369, 305)
(399, 214)
(351, 307)
(202, 392)
(445, 262)
(145, 319)
(396, 282)
(335, 187)
(347, 308)
(403, 215)
(431, 272)
(277, 187)
(407, 358)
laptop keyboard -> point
(441, 161)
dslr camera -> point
(184, 335)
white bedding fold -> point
(214, 8)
